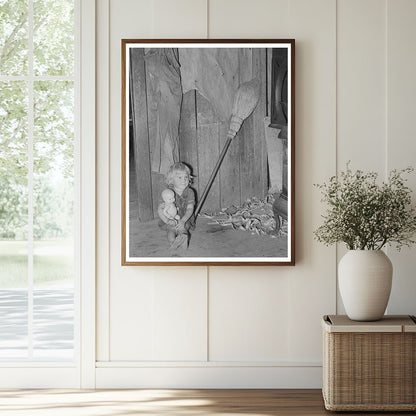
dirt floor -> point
(207, 240)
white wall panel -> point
(131, 316)
(260, 19)
(248, 314)
(140, 328)
(361, 84)
(179, 310)
(401, 142)
(311, 282)
(159, 316)
(148, 19)
(178, 19)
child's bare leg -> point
(171, 236)
(181, 242)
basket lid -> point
(389, 323)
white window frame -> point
(80, 372)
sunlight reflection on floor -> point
(116, 402)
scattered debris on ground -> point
(255, 215)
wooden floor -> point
(165, 402)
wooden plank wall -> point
(142, 169)
(202, 134)
(157, 179)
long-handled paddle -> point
(245, 102)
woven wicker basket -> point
(369, 366)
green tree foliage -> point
(13, 37)
(13, 129)
(13, 208)
(53, 209)
(54, 127)
(53, 118)
(53, 37)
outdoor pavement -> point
(53, 323)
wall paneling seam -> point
(386, 97)
(207, 313)
(207, 12)
(103, 179)
(336, 142)
(387, 109)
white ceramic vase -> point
(364, 278)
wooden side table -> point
(369, 366)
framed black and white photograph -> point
(208, 152)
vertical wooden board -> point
(246, 133)
(245, 59)
(208, 152)
(141, 134)
(208, 155)
(260, 153)
(158, 180)
(268, 80)
(151, 97)
(229, 174)
(133, 197)
(188, 135)
(248, 160)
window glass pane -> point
(53, 196)
(13, 37)
(13, 220)
(53, 37)
(54, 166)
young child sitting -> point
(169, 210)
(178, 179)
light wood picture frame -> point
(218, 115)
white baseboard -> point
(209, 377)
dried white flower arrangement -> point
(366, 215)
